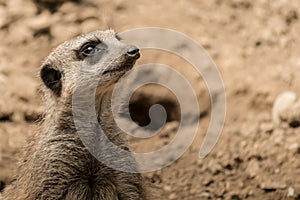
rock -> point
(206, 195)
(291, 192)
(293, 147)
(270, 186)
(167, 188)
(173, 196)
(253, 168)
(283, 101)
(292, 115)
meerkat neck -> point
(61, 114)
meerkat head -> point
(98, 57)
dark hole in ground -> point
(2, 185)
(142, 100)
(5, 118)
(269, 189)
(294, 124)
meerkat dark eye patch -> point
(89, 49)
(51, 78)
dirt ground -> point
(255, 45)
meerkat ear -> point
(52, 78)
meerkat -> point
(56, 165)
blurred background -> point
(255, 45)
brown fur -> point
(56, 165)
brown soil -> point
(255, 45)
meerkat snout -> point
(133, 51)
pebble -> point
(167, 188)
(272, 185)
(172, 196)
(291, 192)
(292, 115)
(282, 102)
(253, 168)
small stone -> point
(277, 171)
(292, 115)
(294, 146)
(172, 196)
(253, 168)
(282, 102)
(167, 188)
(206, 195)
(269, 186)
(291, 192)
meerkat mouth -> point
(124, 66)
(119, 69)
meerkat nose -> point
(133, 51)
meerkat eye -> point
(88, 49)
